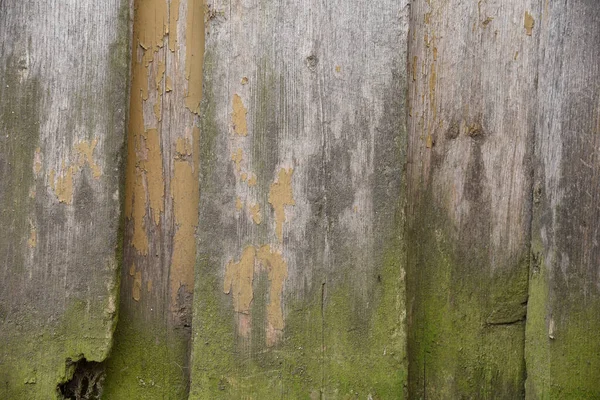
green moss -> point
(566, 365)
(466, 328)
(145, 362)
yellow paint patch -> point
(255, 212)
(240, 126)
(338, 69)
(244, 81)
(238, 204)
(194, 54)
(62, 184)
(152, 166)
(528, 23)
(281, 195)
(186, 196)
(239, 277)
(244, 176)
(252, 180)
(85, 151)
(237, 158)
(136, 292)
(168, 84)
(277, 272)
(173, 18)
(132, 270)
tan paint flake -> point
(132, 269)
(244, 81)
(237, 158)
(194, 54)
(168, 84)
(277, 271)
(173, 18)
(256, 215)
(160, 72)
(252, 180)
(136, 291)
(149, 285)
(281, 195)
(238, 204)
(186, 196)
(239, 277)
(139, 240)
(240, 126)
(528, 23)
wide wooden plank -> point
(563, 316)
(299, 283)
(472, 92)
(150, 359)
(63, 80)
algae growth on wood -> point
(299, 280)
(563, 314)
(63, 80)
(472, 99)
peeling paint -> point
(277, 271)
(252, 180)
(152, 166)
(528, 23)
(173, 18)
(168, 84)
(281, 195)
(136, 291)
(255, 212)
(238, 204)
(237, 158)
(239, 277)
(186, 196)
(240, 126)
(62, 184)
(139, 240)
(160, 72)
(194, 54)
(244, 176)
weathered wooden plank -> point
(150, 359)
(563, 317)
(472, 93)
(299, 289)
(63, 78)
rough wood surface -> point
(299, 289)
(63, 79)
(563, 317)
(151, 352)
(472, 68)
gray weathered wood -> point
(151, 352)
(563, 317)
(63, 91)
(472, 68)
(299, 289)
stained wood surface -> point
(63, 80)
(150, 358)
(563, 318)
(299, 283)
(472, 104)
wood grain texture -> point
(63, 91)
(472, 69)
(563, 317)
(299, 290)
(150, 359)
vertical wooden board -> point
(150, 359)
(299, 281)
(63, 90)
(563, 318)
(472, 68)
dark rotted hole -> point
(86, 383)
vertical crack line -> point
(322, 340)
